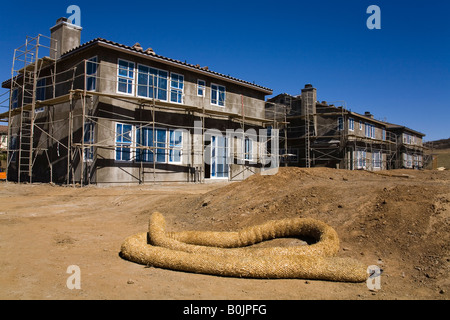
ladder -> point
(24, 79)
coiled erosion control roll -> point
(229, 254)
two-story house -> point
(105, 112)
(321, 134)
(410, 147)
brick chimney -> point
(67, 36)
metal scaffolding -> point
(26, 68)
(31, 113)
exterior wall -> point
(237, 96)
(409, 148)
(58, 126)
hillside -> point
(438, 144)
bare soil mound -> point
(398, 220)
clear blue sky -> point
(400, 73)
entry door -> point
(219, 165)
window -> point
(351, 124)
(89, 139)
(383, 134)
(370, 130)
(91, 74)
(175, 146)
(376, 159)
(123, 141)
(248, 149)
(145, 138)
(40, 89)
(217, 95)
(360, 125)
(219, 157)
(152, 83)
(340, 124)
(201, 88)
(176, 88)
(360, 158)
(40, 93)
(406, 138)
(410, 159)
(15, 99)
(125, 77)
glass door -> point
(219, 164)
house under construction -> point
(316, 133)
(104, 112)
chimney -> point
(310, 93)
(67, 36)
(368, 114)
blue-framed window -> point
(201, 88)
(340, 124)
(218, 95)
(351, 124)
(124, 134)
(145, 138)
(176, 88)
(152, 82)
(91, 74)
(175, 146)
(125, 77)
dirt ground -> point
(397, 220)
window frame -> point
(127, 78)
(377, 163)
(178, 91)
(122, 144)
(92, 76)
(248, 148)
(225, 155)
(361, 158)
(340, 124)
(201, 87)
(171, 148)
(155, 93)
(150, 156)
(217, 103)
(351, 124)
